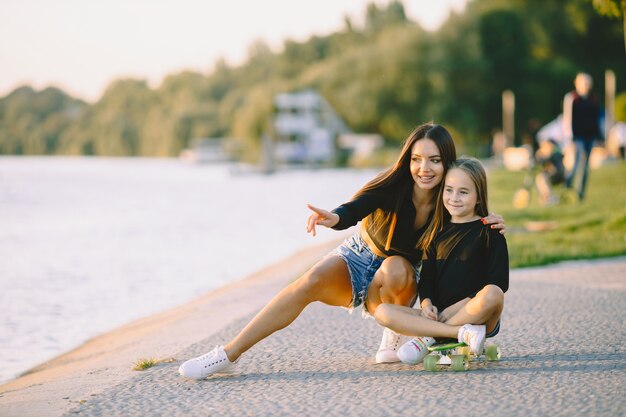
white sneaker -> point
(415, 350)
(210, 363)
(473, 336)
(388, 350)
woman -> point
(377, 265)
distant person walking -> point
(379, 264)
(581, 123)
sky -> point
(82, 45)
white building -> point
(305, 128)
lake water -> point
(88, 244)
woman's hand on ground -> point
(495, 221)
(321, 217)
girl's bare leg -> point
(328, 281)
(410, 322)
(485, 308)
(393, 283)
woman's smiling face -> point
(426, 164)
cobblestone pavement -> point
(562, 340)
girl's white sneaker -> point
(415, 350)
(473, 336)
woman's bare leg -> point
(485, 308)
(410, 322)
(393, 283)
(328, 281)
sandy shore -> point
(54, 387)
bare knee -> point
(310, 285)
(396, 274)
(382, 314)
(491, 297)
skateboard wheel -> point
(492, 352)
(459, 363)
(464, 350)
(430, 362)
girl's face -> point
(460, 196)
(426, 164)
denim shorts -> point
(362, 264)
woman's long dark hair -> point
(395, 184)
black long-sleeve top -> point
(463, 259)
(405, 236)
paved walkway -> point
(564, 354)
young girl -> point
(379, 264)
(465, 271)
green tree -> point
(613, 8)
(384, 76)
(32, 122)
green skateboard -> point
(456, 355)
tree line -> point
(384, 76)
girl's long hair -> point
(396, 183)
(475, 170)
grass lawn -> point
(593, 228)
